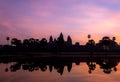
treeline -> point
(59, 44)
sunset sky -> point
(42, 18)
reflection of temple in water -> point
(107, 64)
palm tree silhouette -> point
(89, 36)
(8, 38)
(114, 38)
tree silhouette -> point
(91, 43)
(43, 43)
(26, 42)
(114, 42)
(114, 38)
(31, 41)
(16, 42)
(77, 44)
(105, 42)
(8, 38)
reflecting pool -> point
(59, 69)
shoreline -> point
(61, 54)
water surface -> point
(60, 69)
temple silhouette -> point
(60, 45)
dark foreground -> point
(60, 54)
(58, 61)
(60, 67)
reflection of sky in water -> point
(79, 73)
